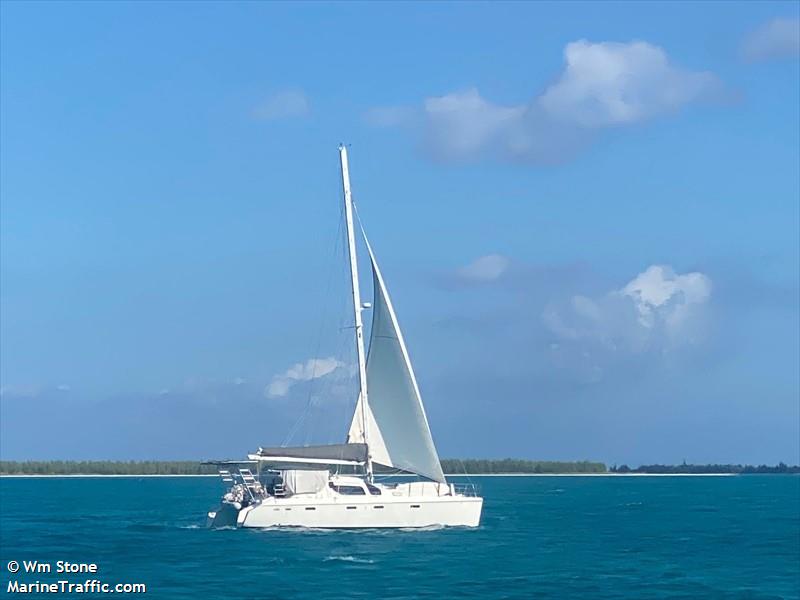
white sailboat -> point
(305, 487)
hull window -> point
(348, 490)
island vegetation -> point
(103, 467)
(687, 469)
(471, 466)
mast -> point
(357, 306)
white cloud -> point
(462, 124)
(610, 84)
(485, 268)
(659, 291)
(776, 39)
(32, 390)
(283, 105)
(655, 308)
(313, 368)
(603, 85)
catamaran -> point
(335, 486)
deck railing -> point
(466, 489)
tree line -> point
(471, 466)
(686, 469)
(107, 467)
(452, 466)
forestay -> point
(397, 427)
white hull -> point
(317, 499)
(348, 513)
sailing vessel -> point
(334, 486)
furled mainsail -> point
(335, 453)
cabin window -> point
(379, 507)
(348, 490)
(351, 508)
(310, 508)
(373, 490)
(415, 506)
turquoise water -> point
(541, 537)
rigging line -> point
(464, 468)
(333, 386)
(310, 427)
(312, 385)
(392, 473)
(346, 349)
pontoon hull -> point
(225, 516)
(446, 511)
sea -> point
(540, 537)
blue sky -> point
(587, 214)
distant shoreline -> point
(505, 467)
(131, 476)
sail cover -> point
(336, 453)
(397, 428)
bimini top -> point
(335, 454)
